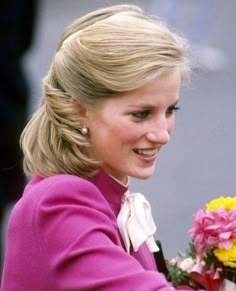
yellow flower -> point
(227, 202)
(227, 257)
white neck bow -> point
(135, 222)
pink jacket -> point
(63, 235)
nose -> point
(160, 132)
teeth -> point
(146, 153)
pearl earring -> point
(84, 130)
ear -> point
(80, 108)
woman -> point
(108, 108)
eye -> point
(141, 114)
(172, 109)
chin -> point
(142, 176)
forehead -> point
(165, 87)
(163, 90)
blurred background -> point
(199, 163)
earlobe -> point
(84, 130)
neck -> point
(124, 182)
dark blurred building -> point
(17, 23)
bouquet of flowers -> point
(210, 259)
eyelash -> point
(144, 114)
(172, 109)
(141, 114)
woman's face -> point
(127, 132)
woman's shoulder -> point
(63, 188)
(58, 183)
(58, 180)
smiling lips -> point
(146, 153)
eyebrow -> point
(147, 106)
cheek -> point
(114, 134)
(131, 132)
(125, 136)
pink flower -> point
(213, 229)
(199, 266)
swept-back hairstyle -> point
(110, 50)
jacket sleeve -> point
(81, 243)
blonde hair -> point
(110, 50)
